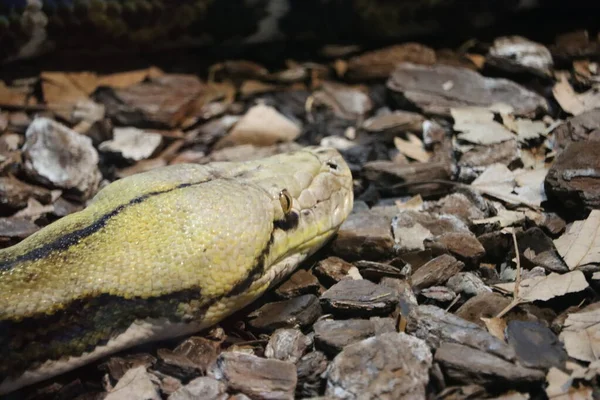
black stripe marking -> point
(288, 223)
(83, 325)
(67, 240)
(255, 272)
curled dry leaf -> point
(560, 387)
(580, 245)
(496, 326)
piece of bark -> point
(387, 174)
(358, 297)
(518, 54)
(573, 180)
(390, 365)
(162, 102)
(299, 283)
(136, 384)
(381, 62)
(332, 336)
(14, 193)
(310, 369)
(464, 246)
(581, 128)
(254, 376)
(364, 235)
(439, 294)
(434, 325)
(536, 345)
(468, 365)
(467, 283)
(436, 271)
(287, 345)
(299, 311)
(57, 156)
(480, 156)
(118, 366)
(332, 270)
(203, 387)
(374, 271)
(438, 88)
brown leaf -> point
(495, 326)
(573, 102)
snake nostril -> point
(332, 165)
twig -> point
(516, 300)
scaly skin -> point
(162, 254)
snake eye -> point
(285, 198)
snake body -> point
(161, 254)
(32, 27)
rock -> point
(390, 365)
(436, 271)
(518, 54)
(573, 180)
(310, 369)
(332, 270)
(261, 126)
(467, 283)
(536, 345)
(300, 311)
(469, 365)
(434, 325)
(58, 156)
(136, 384)
(364, 235)
(332, 336)
(132, 144)
(581, 128)
(254, 376)
(201, 388)
(427, 88)
(299, 283)
(287, 345)
(464, 246)
(358, 297)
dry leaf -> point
(123, 80)
(580, 245)
(414, 203)
(11, 97)
(62, 91)
(581, 335)
(412, 148)
(560, 387)
(504, 218)
(495, 326)
(573, 102)
(547, 287)
(478, 126)
(513, 187)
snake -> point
(163, 254)
(30, 28)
